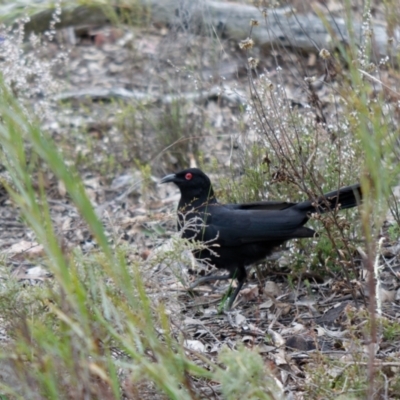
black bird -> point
(245, 233)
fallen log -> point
(277, 27)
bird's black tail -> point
(347, 197)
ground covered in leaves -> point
(137, 103)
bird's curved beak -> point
(168, 178)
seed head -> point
(246, 44)
(324, 54)
(253, 62)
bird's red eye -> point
(188, 176)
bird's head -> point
(194, 184)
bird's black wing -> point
(261, 205)
(235, 227)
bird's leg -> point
(241, 276)
(238, 273)
(210, 278)
(234, 295)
